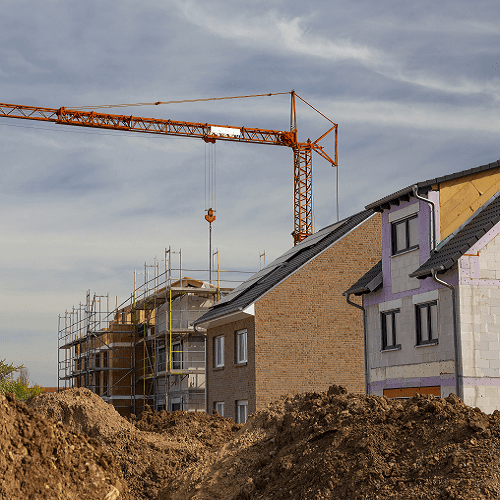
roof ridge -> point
(284, 268)
(452, 248)
(429, 182)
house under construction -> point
(142, 352)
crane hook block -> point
(210, 217)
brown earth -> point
(40, 459)
(344, 446)
(150, 451)
(314, 446)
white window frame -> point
(241, 411)
(219, 351)
(219, 407)
(241, 340)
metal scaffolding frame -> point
(94, 350)
(144, 351)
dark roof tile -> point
(249, 291)
(466, 236)
(369, 282)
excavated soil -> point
(337, 445)
(314, 446)
(150, 451)
(41, 459)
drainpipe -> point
(365, 343)
(456, 336)
(433, 216)
(206, 366)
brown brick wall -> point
(304, 336)
(308, 337)
(233, 382)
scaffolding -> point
(144, 351)
(95, 351)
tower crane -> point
(302, 151)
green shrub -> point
(19, 386)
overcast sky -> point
(414, 87)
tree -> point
(18, 386)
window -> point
(427, 323)
(161, 359)
(219, 351)
(219, 407)
(176, 356)
(389, 330)
(141, 329)
(241, 411)
(105, 374)
(241, 346)
(404, 235)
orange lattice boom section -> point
(303, 199)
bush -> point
(19, 386)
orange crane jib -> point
(209, 133)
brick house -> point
(288, 329)
(432, 304)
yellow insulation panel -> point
(460, 198)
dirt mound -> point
(83, 411)
(211, 431)
(150, 451)
(338, 445)
(40, 459)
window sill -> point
(427, 344)
(403, 252)
(392, 348)
(218, 368)
(243, 363)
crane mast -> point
(302, 151)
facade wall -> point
(401, 266)
(307, 336)
(233, 382)
(185, 309)
(188, 390)
(477, 281)
(412, 365)
(480, 322)
(407, 262)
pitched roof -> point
(369, 282)
(453, 247)
(424, 186)
(261, 282)
(448, 251)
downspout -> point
(433, 216)
(365, 341)
(456, 337)
(206, 366)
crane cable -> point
(210, 176)
(210, 197)
(174, 102)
